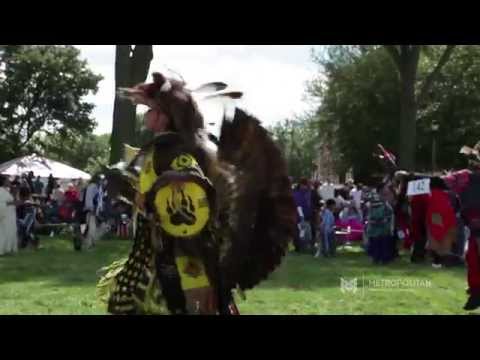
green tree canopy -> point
(298, 140)
(42, 90)
(359, 105)
(87, 152)
(359, 96)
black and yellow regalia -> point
(213, 215)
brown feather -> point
(263, 210)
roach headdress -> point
(172, 97)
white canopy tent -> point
(42, 167)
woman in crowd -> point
(381, 245)
(8, 221)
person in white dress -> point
(90, 207)
(356, 196)
(8, 220)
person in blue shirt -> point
(328, 247)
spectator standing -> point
(316, 207)
(91, 192)
(71, 197)
(38, 186)
(303, 201)
(8, 220)
(356, 196)
(30, 178)
(50, 186)
(26, 218)
(381, 246)
(103, 210)
(340, 201)
(328, 247)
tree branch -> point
(36, 98)
(27, 120)
(434, 74)
(49, 133)
(28, 137)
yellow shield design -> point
(183, 208)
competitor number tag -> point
(418, 187)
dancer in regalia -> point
(466, 183)
(215, 213)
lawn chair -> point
(348, 232)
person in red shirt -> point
(70, 199)
(71, 195)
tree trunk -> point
(408, 118)
(406, 58)
(131, 68)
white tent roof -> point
(42, 167)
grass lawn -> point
(58, 280)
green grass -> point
(55, 279)
(58, 280)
